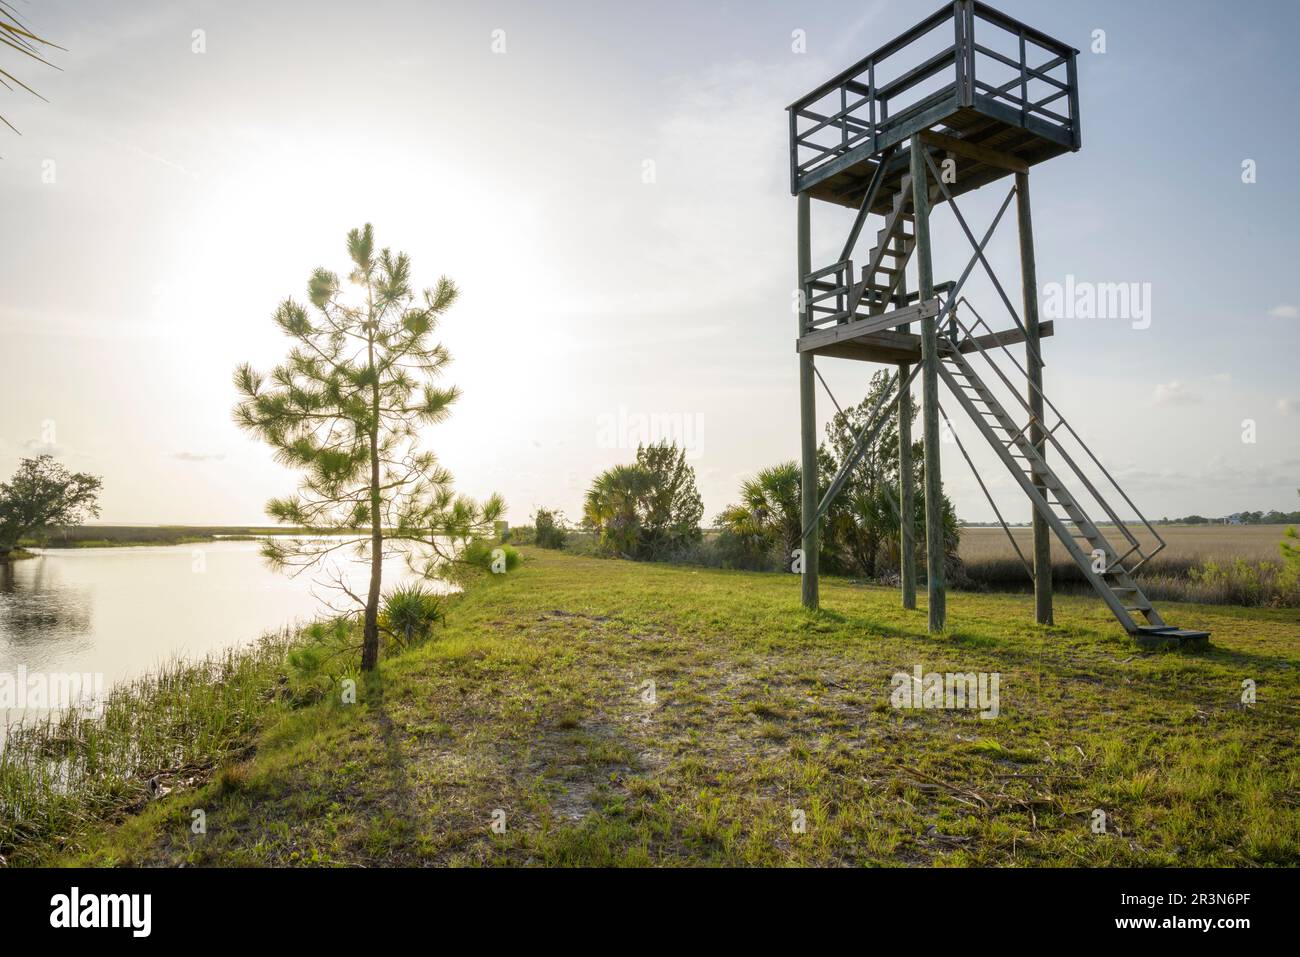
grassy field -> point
(1187, 543)
(534, 709)
(1222, 564)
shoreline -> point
(534, 693)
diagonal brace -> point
(979, 251)
(954, 293)
(868, 200)
(870, 429)
(835, 402)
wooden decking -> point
(865, 340)
(983, 149)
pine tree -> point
(346, 408)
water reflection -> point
(122, 611)
(42, 619)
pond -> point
(120, 612)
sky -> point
(608, 184)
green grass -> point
(534, 702)
(63, 776)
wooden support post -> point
(807, 419)
(1034, 365)
(935, 586)
(906, 474)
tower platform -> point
(993, 94)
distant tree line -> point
(650, 509)
(1271, 517)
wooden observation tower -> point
(964, 99)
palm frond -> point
(15, 35)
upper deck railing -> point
(966, 54)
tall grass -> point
(1209, 582)
(1210, 564)
(66, 771)
(1192, 544)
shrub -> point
(548, 529)
(1233, 582)
(410, 612)
(481, 553)
(732, 549)
(329, 651)
(648, 510)
(1241, 583)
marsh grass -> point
(69, 770)
(1188, 544)
(1208, 564)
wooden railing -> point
(828, 293)
(970, 54)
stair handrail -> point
(1069, 461)
(1050, 435)
(1062, 420)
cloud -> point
(1174, 393)
(1287, 406)
(198, 456)
(1284, 311)
(1222, 378)
(1219, 472)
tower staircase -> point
(1052, 491)
(894, 243)
(834, 296)
(999, 99)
